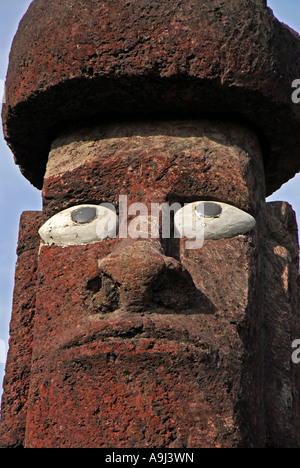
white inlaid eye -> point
(79, 225)
(212, 220)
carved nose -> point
(137, 276)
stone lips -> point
(113, 60)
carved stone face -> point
(144, 342)
(130, 317)
(154, 164)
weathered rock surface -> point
(108, 379)
(155, 162)
(143, 343)
(18, 365)
(122, 379)
(117, 60)
(281, 325)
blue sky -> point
(16, 193)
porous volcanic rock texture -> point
(281, 298)
(155, 162)
(150, 379)
(18, 365)
(219, 378)
(110, 360)
(85, 59)
(143, 342)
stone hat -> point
(80, 61)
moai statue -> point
(123, 335)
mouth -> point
(132, 327)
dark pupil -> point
(84, 215)
(209, 209)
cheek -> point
(64, 276)
(224, 270)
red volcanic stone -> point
(281, 297)
(84, 60)
(150, 379)
(218, 376)
(106, 349)
(18, 365)
(155, 162)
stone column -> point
(120, 341)
(160, 349)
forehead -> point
(155, 162)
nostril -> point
(110, 294)
(94, 284)
(173, 289)
(139, 277)
(105, 295)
